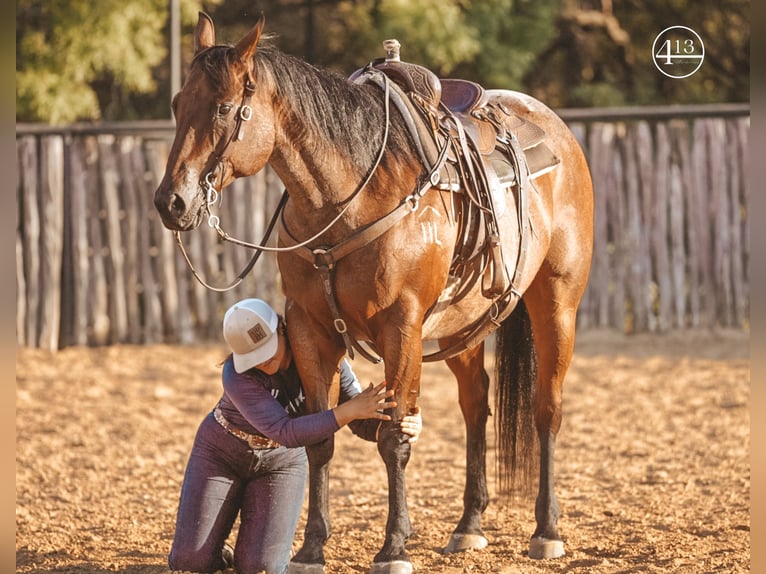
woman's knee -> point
(190, 560)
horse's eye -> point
(224, 109)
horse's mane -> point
(331, 110)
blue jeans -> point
(224, 476)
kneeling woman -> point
(248, 456)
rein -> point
(247, 268)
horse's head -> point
(224, 126)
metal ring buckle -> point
(413, 201)
(213, 221)
(245, 113)
(340, 326)
(317, 252)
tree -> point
(601, 54)
(433, 33)
(108, 59)
(85, 60)
(345, 34)
(568, 53)
(512, 33)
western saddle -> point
(492, 152)
(469, 142)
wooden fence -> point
(95, 266)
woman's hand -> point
(411, 425)
(366, 405)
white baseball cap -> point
(250, 329)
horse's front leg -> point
(395, 452)
(310, 558)
(317, 359)
(402, 350)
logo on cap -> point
(257, 334)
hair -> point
(226, 358)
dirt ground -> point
(653, 470)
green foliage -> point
(82, 60)
(433, 32)
(512, 33)
(602, 56)
(108, 59)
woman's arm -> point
(264, 413)
(349, 388)
(368, 404)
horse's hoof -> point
(544, 548)
(301, 568)
(394, 567)
(461, 542)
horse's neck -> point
(319, 174)
(329, 139)
(314, 180)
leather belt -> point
(254, 441)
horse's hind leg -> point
(552, 304)
(473, 385)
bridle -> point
(215, 163)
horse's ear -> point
(245, 48)
(204, 35)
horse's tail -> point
(515, 376)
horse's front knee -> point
(393, 445)
(321, 453)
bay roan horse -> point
(348, 159)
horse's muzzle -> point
(176, 212)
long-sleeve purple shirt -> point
(274, 406)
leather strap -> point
(325, 274)
(254, 441)
(497, 313)
(421, 133)
(331, 255)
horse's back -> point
(558, 135)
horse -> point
(356, 277)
